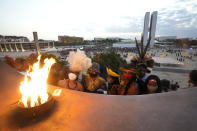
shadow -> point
(17, 119)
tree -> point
(110, 59)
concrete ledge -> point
(79, 111)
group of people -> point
(128, 81)
(131, 81)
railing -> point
(22, 46)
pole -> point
(16, 47)
(142, 46)
(36, 43)
(53, 44)
(1, 48)
(11, 48)
(6, 49)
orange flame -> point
(36, 88)
(57, 92)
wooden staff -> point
(137, 47)
(142, 47)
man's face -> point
(92, 73)
(110, 79)
(127, 76)
(142, 71)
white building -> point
(162, 38)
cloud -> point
(90, 18)
(181, 22)
(179, 19)
(133, 25)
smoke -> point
(78, 61)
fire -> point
(34, 86)
(57, 92)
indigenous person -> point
(128, 84)
(113, 82)
(142, 69)
(153, 84)
(193, 78)
(142, 76)
(71, 82)
(92, 82)
(78, 62)
(165, 85)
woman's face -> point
(152, 86)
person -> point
(153, 84)
(193, 78)
(128, 83)
(165, 85)
(174, 86)
(113, 82)
(71, 83)
(92, 81)
(103, 71)
(142, 76)
(142, 69)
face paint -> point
(127, 76)
(93, 75)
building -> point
(127, 40)
(114, 38)
(70, 39)
(164, 38)
(99, 39)
(13, 39)
(183, 42)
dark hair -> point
(116, 80)
(129, 83)
(193, 77)
(158, 83)
(165, 85)
(143, 65)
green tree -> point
(110, 59)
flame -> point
(57, 92)
(34, 86)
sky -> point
(96, 18)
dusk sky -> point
(96, 18)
